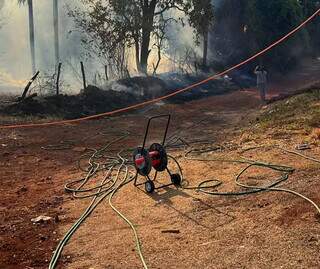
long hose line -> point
(138, 243)
(285, 170)
(121, 167)
(109, 186)
(274, 188)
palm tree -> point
(31, 32)
(56, 31)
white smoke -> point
(15, 61)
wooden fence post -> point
(58, 79)
(83, 76)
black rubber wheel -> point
(149, 186)
(176, 179)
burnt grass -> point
(94, 100)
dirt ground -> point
(267, 230)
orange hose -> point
(168, 95)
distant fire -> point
(7, 79)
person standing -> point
(261, 81)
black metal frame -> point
(148, 126)
(168, 116)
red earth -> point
(269, 230)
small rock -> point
(304, 146)
(160, 201)
(23, 189)
(41, 219)
(312, 239)
(79, 149)
(56, 218)
(43, 238)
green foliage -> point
(309, 7)
(201, 17)
(228, 37)
(272, 19)
(130, 23)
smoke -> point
(181, 39)
(15, 61)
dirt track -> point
(269, 230)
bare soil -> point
(269, 230)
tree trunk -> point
(205, 49)
(56, 31)
(137, 52)
(145, 50)
(147, 25)
(31, 36)
(155, 67)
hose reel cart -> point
(156, 158)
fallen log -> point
(26, 89)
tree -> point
(270, 20)
(56, 31)
(228, 40)
(309, 7)
(31, 32)
(201, 18)
(133, 23)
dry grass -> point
(297, 115)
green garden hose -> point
(119, 172)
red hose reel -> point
(155, 157)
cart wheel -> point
(176, 179)
(149, 186)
